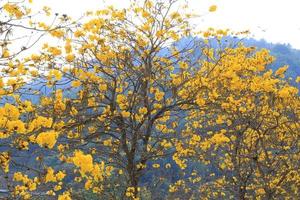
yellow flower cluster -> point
(47, 139)
(219, 138)
(57, 33)
(9, 119)
(27, 106)
(28, 185)
(93, 172)
(212, 8)
(287, 92)
(65, 196)
(55, 51)
(280, 72)
(13, 10)
(54, 73)
(156, 165)
(159, 95)
(122, 101)
(16, 125)
(84, 162)
(4, 161)
(52, 177)
(10, 111)
(125, 114)
(40, 122)
(130, 192)
(59, 104)
(143, 111)
(174, 187)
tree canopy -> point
(135, 104)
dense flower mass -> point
(134, 104)
(47, 139)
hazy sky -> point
(273, 20)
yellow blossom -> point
(47, 139)
(212, 8)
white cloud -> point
(273, 20)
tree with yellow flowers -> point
(246, 129)
(132, 105)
